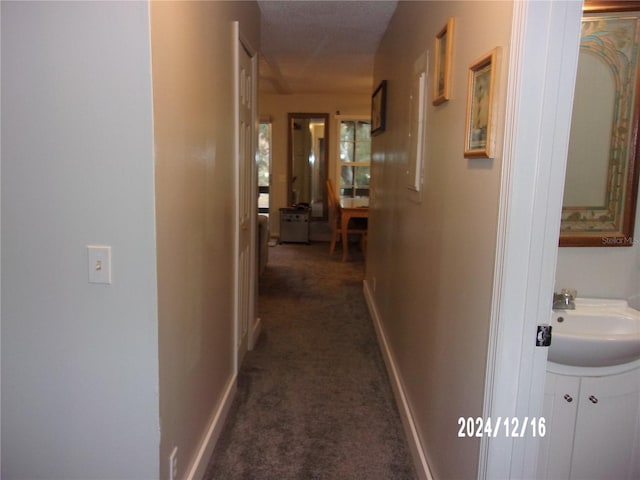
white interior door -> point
(246, 198)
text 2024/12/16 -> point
(508, 426)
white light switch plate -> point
(99, 258)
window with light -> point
(355, 157)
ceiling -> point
(311, 46)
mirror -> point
(308, 159)
(601, 184)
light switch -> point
(99, 263)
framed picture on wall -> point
(442, 69)
(379, 108)
(480, 107)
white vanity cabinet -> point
(593, 427)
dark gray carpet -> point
(314, 400)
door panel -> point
(245, 203)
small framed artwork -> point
(442, 70)
(379, 108)
(478, 142)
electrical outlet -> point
(173, 464)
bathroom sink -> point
(597, 333)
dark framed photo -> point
(379, 108)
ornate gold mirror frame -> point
(611, 39)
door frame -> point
(543, 58)
(255, 325)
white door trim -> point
(542, 67)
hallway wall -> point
(79, 360)
(430, 261)
(92, 375)
(193, 101)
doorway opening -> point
(264, 165)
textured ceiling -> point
(310, 46)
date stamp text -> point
(512, 427)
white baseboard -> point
(415, 445)
(199, 465)
(255, 333)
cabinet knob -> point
(593, 399)
(568, 397)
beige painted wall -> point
(277, 108)
(194, 143)
(430, 262)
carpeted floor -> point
(314, 400)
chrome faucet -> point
(565, 300)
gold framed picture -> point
(442, 59)
(480, 107)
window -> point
(264, 160)
(355, 157)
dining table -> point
(351, 207)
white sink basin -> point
(597, 333)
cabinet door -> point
(607, 431)
(560, 408)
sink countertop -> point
(598, 333)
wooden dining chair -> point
(335, 219)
